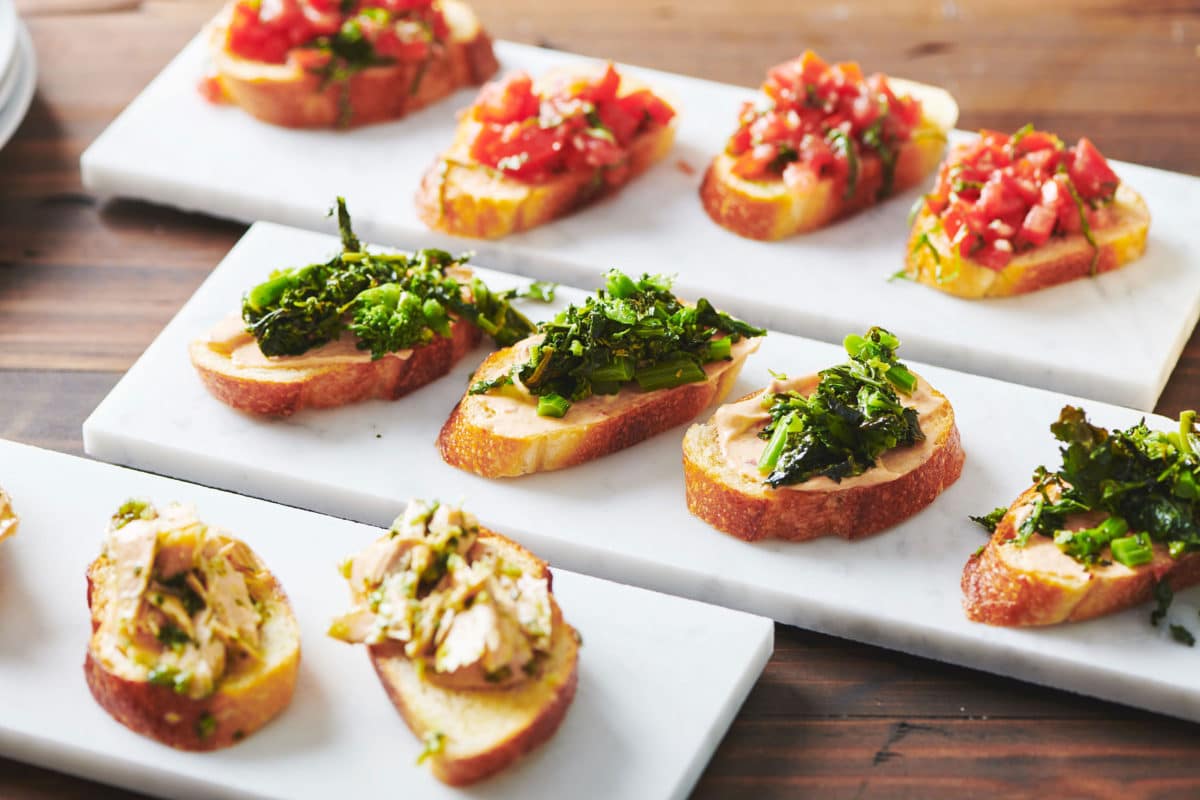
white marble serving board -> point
(660, 677)
(623, 517)
(1115, 338)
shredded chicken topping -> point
(182, 599)
(456, 605)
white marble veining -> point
(623, 517)
(1115, 338)
(660, 678)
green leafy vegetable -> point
(1182, 635)
(992, 518)
(1143, 481)
(1163, 596)
(631, 330)
(542, 291)
(390, 302)
(852, 417)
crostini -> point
(528, 152)
(1116, 521)
(629, 363)
(193, 641)
(332, 63)
(360, 325)
(847, 452)
(824, 142)
(1014, 214)
(9, 521)
(466, 636)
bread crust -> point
(239, 707)
(465, 198)
(749, 510)
(286, 95)
(468, 441)
(536, 724)
(283, 392)
(1060, 260)
(772, 210)
(1038, 585)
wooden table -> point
(84, 287)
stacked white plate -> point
(18, 71)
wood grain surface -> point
(85, 286)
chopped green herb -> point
(853, 416)
(389, 302)
(1182, 635)
(435, 743)
(628, 331)
(1132, 551)
(171, 636)
(206, 725)
(131, 510)
(842, 143)
(163, 675)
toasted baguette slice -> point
(484, 731)
(1060, 260)
(9, 521)
(500, 436)
(283, 390)
(1038, 584)
(241, 704)
(287, 95)
(771, 210)
(462, 197)
(734, 499)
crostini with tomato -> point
(1012, 214)
(529, 151)
(333, 63)
(822, 142)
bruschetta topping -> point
(383, 303)
(8, 517)
(469, 617)
(628, 332)
(334, 37)
(577, 122)
(1130, 497)
(820, 121)
(858, 422)
(184, 601)
(1002, 195)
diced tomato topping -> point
(211, 89)
(812, 101)
(270, 30)
(575, 124)
(1002, 195)
(509, 101)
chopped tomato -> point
(1013, 193)
(395, 29)
(211, 89)
(574, 125)
(510, 100)
(826, 116)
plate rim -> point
(15, 107)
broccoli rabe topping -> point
(1145, 483)
(390, 302)
(851, 418)
(629, 331)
